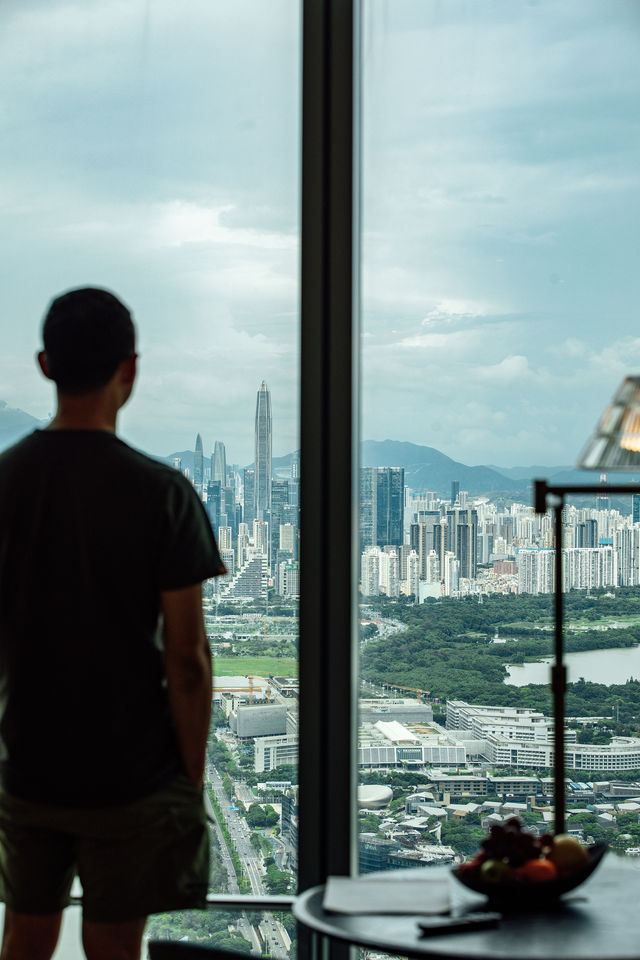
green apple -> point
(495, 871)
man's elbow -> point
(190, 672)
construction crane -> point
(394, 686)
(251, 677)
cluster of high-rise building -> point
(424, 545)
(417, 545)
(254, 515)
(414, 543)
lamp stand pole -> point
(558, 679)
(543, 493)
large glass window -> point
(153, 149)
(500, 226)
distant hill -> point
(425, 468)
(563, 475)
(15, 424)
(185, 455)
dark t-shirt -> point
(91, 532)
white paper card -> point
(389, 894)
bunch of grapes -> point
(509, 843)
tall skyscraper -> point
(441, 543)
(367, 507)
(262, 465)
(214, 502)
(390, 506)
(635, 507)
(219, 463)
(463, 539)
(277, 515)
(381, 506)
(249, 504)
(198, 464)
(455, 490)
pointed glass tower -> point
(219, 463)
(263, 452)
(198, 463)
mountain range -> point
(425, 468)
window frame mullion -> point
(329, 434)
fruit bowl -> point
(518, 871)
(522, 894)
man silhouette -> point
(105, 670)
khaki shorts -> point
(149, 856)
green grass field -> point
(260, 666)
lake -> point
(599, 666)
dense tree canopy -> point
(447, 648)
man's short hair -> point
(87, 333)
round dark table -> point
(598, 921)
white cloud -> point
(510, 369)
(179, 222)
(451, 310)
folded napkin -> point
(384, 893)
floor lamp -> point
(615, 445)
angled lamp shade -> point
(615, 444)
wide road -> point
(271, 931)
(232, 880)
(246, 928)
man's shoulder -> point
(156, 469)
(104, 453)
(143, 461)
(175, 490)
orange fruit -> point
(537, 871)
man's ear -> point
(41, 357)
(128, 369)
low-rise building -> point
(273, 752)
(379, 854)
(403, 709)
(515, 786)
(258, 720)
(415, 800)
(387, 744)
(458, 811)
(607, 820)
(518, 737)
(459, 784)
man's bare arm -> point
(189, 677)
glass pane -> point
(153, 149)
(500, 226)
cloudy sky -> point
(152, 147)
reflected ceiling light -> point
(615, 444)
